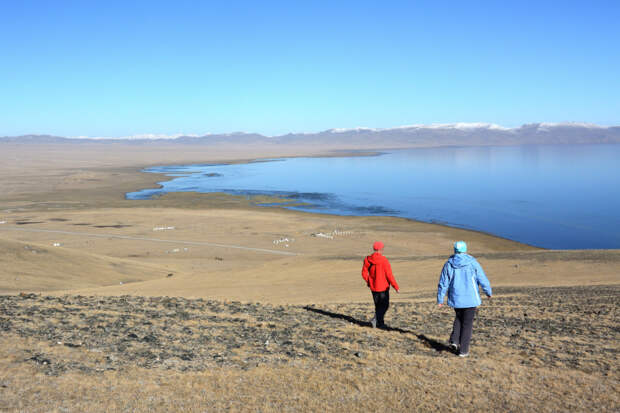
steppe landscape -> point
(208, 302)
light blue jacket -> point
(460, 277)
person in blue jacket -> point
(460, 277)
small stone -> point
(38, 358)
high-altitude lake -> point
(552, 196)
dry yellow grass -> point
(535, 349)
(73, 195)
(389, 377)
(92, 259)
(394, 384)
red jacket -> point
(377, 273)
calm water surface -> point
(564, 196)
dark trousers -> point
(382, 302)
(462, 328)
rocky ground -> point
(572, 328)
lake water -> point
(552, 196)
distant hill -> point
(460, 134)
(34, 139)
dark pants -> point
(462, 328)
(382, 302)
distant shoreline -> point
(297, 201)
(98, 176)
(524, 221)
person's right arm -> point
(365, 273)
(444, 283)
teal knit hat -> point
(459, 247)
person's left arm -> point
(365, 272)
(390, 276)
(444, 282)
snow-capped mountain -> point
(462, 134)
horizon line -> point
(455, 125)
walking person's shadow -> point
(429, 342)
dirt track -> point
(148, 239)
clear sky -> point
(120, 68)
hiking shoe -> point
(463, 354)
(453, 346)
(373, 322)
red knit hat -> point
(377, 246)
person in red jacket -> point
(377, 273)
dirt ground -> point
(68, 234)
(552, 337)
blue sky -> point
(107, 68)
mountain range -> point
(456, 134)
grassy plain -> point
(270, 312)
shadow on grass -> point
(428, 342)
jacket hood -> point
(460, 260)
(376, 258)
